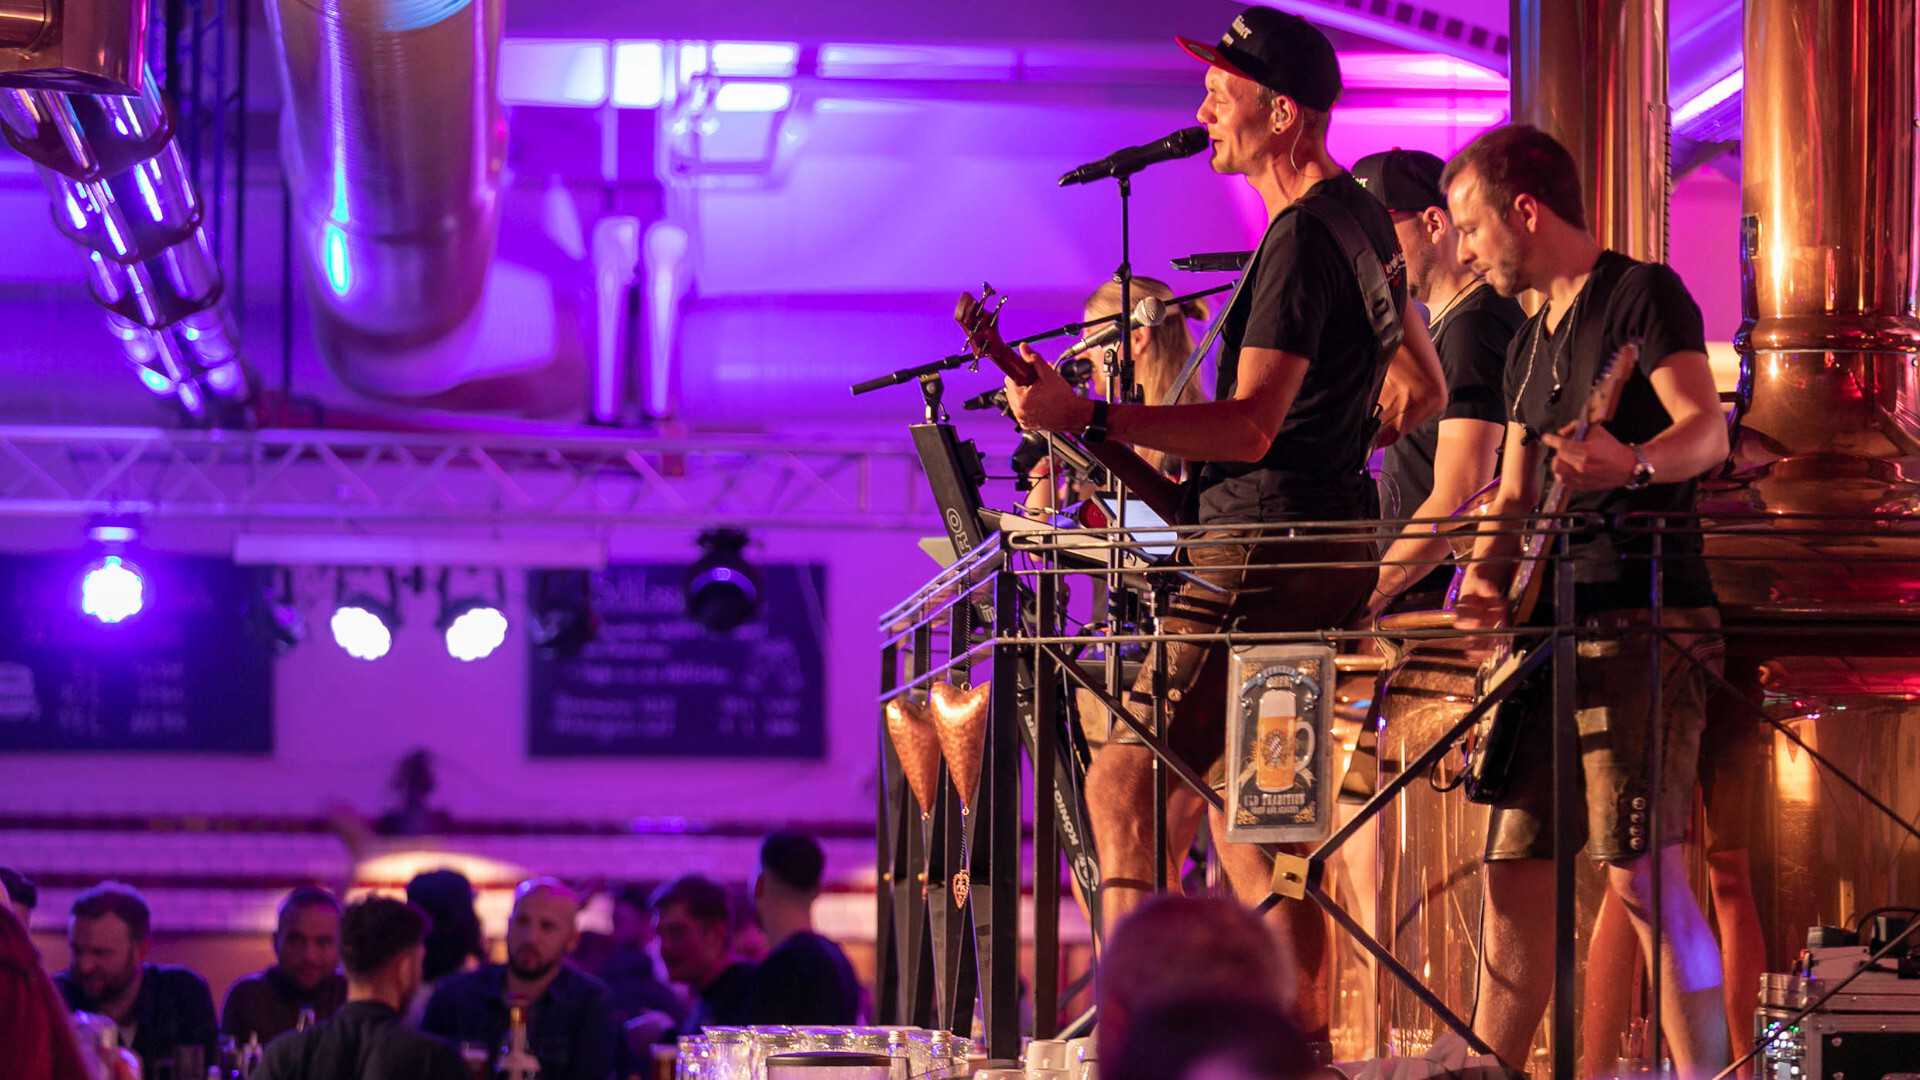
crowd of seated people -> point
(402, 987)
(1190, 989)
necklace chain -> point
(1560, 347)
(1464, 292)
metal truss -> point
(369, 478)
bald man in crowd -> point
(569, 1012)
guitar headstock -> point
(980, 319)
(1611, 382)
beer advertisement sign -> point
(1279, 711)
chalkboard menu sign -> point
(183, 674)
(654, 683)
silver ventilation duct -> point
(120, 189)
(392, 137)
(76, 46)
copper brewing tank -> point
(1593, 74)
(1827, 426)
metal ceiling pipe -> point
(120, 190)
(1593, 74)
(23, 23)
(392, 138)
(74, 46)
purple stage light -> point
(112, 590)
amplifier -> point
(1869, 1031)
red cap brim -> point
(1200, 50)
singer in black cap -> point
(1300, 370)
(1439, 465)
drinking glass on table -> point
(768, 1040)
(730, 1053)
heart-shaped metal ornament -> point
(960, 719)
(911, 728)
(962, 884)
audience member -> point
(39, 1042)
(22, 894)
(454, 941)
(305, 975)
(382, 942)
(691, 917)
(805, 978)
(156, 1007)
(569, 1018)
(1211, 1038)
(1178, 948)
(633, 981)
(750, 943)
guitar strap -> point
(1213, 332)
(1590, 336)
(1376, 294)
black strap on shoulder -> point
(1596, 308)
(1375, 293)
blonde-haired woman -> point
(1159, 352)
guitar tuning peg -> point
(999, 302)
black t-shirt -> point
(1303, 299)
(365, 1040)
(1472, 339)
(1648, 302)
(807, 980)
(723, 1003)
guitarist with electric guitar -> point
(1515, 198)
(1316, 361)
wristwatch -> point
(1642, 469)
(1096, 429)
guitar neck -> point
(1012, 364)
(1523, 595)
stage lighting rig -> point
(362, 623)
(564, 621)
(722, 589)
(112, 589)
(474, 626)
(275, 614)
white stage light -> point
(361, 631)
(474, 633)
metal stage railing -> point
(991, 646)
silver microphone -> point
(1148, 312)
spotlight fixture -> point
(474, 627)
(362, 624)
(275, 615)
(722, 590)
(564, 621)
(112, 589)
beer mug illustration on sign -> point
(1278, 750)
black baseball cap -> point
(1282, 52)
(1405, 181)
